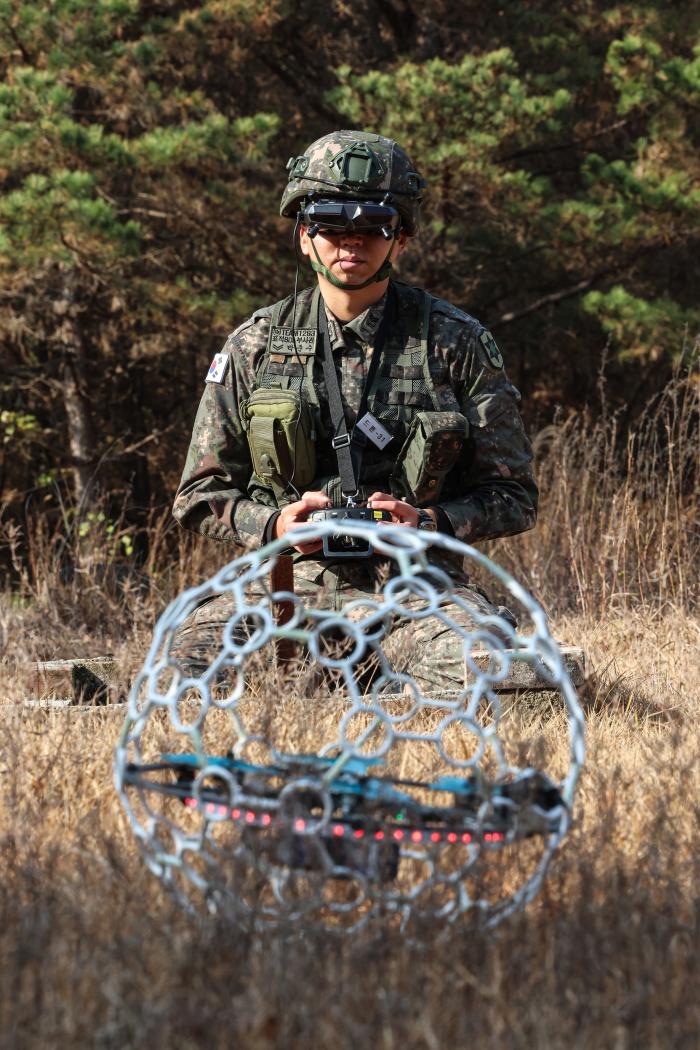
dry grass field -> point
(95, 954)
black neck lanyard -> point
(348, 448)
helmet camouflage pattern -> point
(355, 164)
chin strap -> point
(384, 271)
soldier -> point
(361, 387)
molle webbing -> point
(405, 378)
(403, 372)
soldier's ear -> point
(304, 240)
(402, 241)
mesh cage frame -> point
(171, 851)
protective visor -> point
(334, 217)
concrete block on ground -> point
(525, 675)
(84, 680)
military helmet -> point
(355, 164)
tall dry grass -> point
(95, 954)
(619, 527)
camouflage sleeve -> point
(212, 497)
(494, 477)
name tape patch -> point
(281, 341)
(217, 369)
(374, 430)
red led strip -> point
(339, 831)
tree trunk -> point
(81, 432)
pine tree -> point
(124, 190)
(142, 154)
(564, 199)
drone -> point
(343, 832)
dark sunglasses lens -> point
(336, 217)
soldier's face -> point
(352, 257)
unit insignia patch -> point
(492, 351)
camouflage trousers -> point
(427, 648)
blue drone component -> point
(357, 793)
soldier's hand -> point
(401, 513)
(295, 513)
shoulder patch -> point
(491, 349)
(218, 368)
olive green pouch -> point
(281, 437)
(430, 451)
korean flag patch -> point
(217, 369)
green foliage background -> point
(142, 156)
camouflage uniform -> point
(490, 492)
(216, 496)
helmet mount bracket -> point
(358, 165)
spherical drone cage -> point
(309, 773)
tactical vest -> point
(403, 392)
